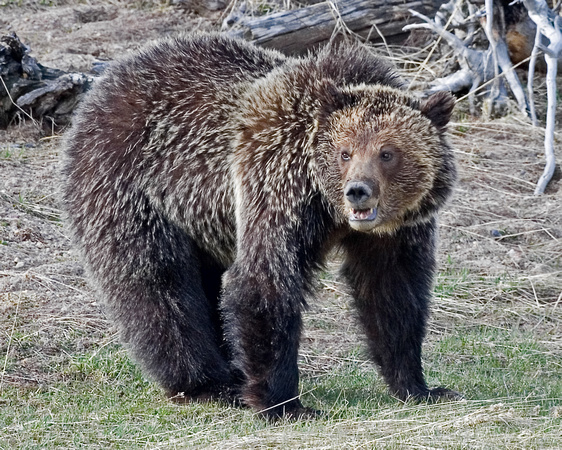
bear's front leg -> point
(261, 306)
(392, 277)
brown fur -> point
(204, 185)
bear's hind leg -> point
(172, 336)
(149, 272)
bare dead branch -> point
(549, 25)
(531, 77)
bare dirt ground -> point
(494, 226)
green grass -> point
(512, 382)
(13, 152)
(486, 363)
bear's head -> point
(385, 156)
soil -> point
(494, 226)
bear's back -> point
(192, 75)
(157, 125)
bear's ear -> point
(438, 108)
(332, 98)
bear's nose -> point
(357, 192)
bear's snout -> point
(358, 193)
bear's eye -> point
(345, 156)
(386, 156)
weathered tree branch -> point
(531, 77)
(494, 96)
(550, 25)
(503, 62)
(477, 66)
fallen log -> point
(297, 30)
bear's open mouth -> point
(362, 214)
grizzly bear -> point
(206, 181)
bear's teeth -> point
(362, 214)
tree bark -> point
(297, 30)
